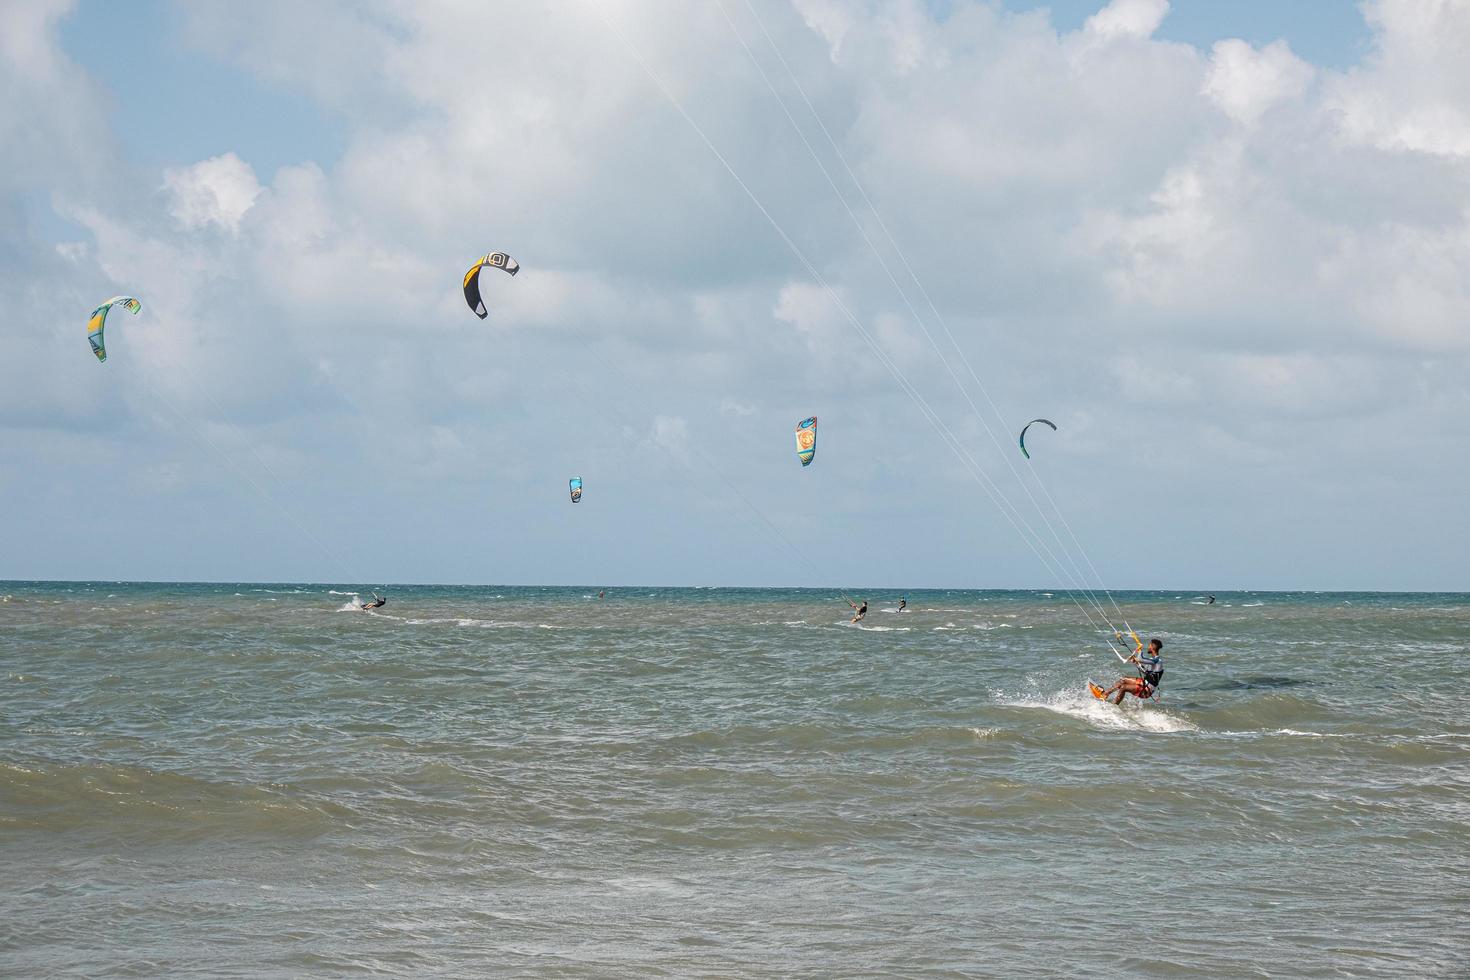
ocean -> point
(259, 780)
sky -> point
(1222, 246)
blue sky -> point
(1222, 245)
(1330, 33)
(170, 102)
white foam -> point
(459, 621)
(1101, 714)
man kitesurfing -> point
(378, 602)
(1150, 666)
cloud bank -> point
(1235, 279)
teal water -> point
(246, 780)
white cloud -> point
(1245, 82)
(829, 18)
(218, 191)
(814, 314)
(1412, 94)
(735, 408)
(1128, 18)
(670, 433)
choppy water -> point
(254, 780)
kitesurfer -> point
(903, 603)
(602, 593)
(1211, 602)
(1150, 665)
(862, 610)
(378, 603)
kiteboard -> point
(1097, 692)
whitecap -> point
(1101, 714)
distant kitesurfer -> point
(903, 603)
(378, 603)
(602, 593)
(1150, 665)
(1211, 602)
(862, 610)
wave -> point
(465, 622)
(1131, 716)
(1250, 682)
(152, 804)
(1261, 709)
(1293, 731)
(1381, 737)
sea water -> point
(245, 780)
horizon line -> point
(1055, 590)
